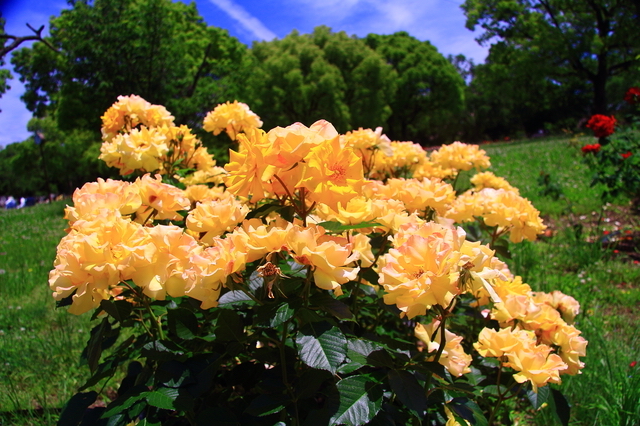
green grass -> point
(40, 346)
(522, 163)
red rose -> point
(602, 125)
(633, 364)
(593, 148)
(632, 96)
(626, 155)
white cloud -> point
(441, 22)
(245, 19)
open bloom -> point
(602, 125)
(327, 257)
(632, 96)
(461, 156)
(453, 357)
(422, 271)
(591, 148)
(231, 117)
(332, 174)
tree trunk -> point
(599, 82)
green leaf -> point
(263, 210)
(162, 398)
(93, 351)
(360, 401)
(283, 314)
(233, 299)
(468, 410)
(119, 309)
(332, 306)
(125, 401)
(182, 323)
(370, 275)
(229, 327)
(159, 351)
(76, 407)
(475, 377)
(263, 405)
(321, 346)
(539, 398)
(563, 409)
(273, 315)
(408, 390)
(333, 226)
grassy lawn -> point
(586, 254)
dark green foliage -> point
(158, 49)
(589, 40)
(322, 75)
(429, 99)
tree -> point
(590, 39)
(511, 94)
(323, 75)
(15, 42)
(158, 49)
(429, 99)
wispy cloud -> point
(245, 19)
(441, 22)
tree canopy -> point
(320, 75)
(429, 99)
(591, 39)
(158, 49)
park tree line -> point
(551, 64)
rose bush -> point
(614, 159)
(318, 278)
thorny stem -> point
(443, 342)
(153, 213)
(385, 240)
(287, 191)
(494, 409)
(155, 320)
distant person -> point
(23, 202)
(11, 203)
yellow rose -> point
(328, 259)
(233, 118)
(332, 175)
(453, 357)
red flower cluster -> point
(632, 96)
(602, 125)
(594, 148)
(626, 155)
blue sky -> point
(439, 21)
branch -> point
(191, 89)
(575, 62)
(17, 41)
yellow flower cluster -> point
(365, 143)
(460, 156)
(309, 161)
(233, 118)
(503, 208)
(124, 236)
(536, 335)
(139, 136)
